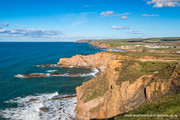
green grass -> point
(168, 105)
(95, 89)
(166, 56)
(132, 70)
(171, 41)
(148, 40)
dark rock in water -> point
(51, 74)
(59, 74)
(73, 74)
(35, 75)
(58, 98)
(44, 109)
(48, 65)
(44, 65)
(60, 109)
(31, 100)
(56, 74)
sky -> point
(71, 20)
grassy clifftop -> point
(167, 106)
(160, 45)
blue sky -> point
(70, 20)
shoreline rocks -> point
(31, 100)
(58, 98)
(41, 75)
(44, 109)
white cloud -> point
(149, 15)
(30, 32)
(106, 13)
(120, 27)
(164, 3)
(4, 25)
(124, 17)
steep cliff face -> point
(98, 60)
(125, 85)
(100, 44)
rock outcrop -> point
(83, 41)
(100, 44)
(126, 83)
(98, 60)
(34, 75)
(112, 93)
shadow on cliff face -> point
(125, 86)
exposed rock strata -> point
(98, 60)
(104, 97)
(100, 44)
(124, 85)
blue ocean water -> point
(22, 58)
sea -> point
(18, 58)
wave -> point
(20, 76)
(32, 75)
(56, 109)
(50, 71)
(93, 73)
(44, 65)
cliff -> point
(83, 41)
(100, 44)
(127, 83)
(98, 60)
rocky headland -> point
(125, 83)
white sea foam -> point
(71, 66)
(93, 73)
(30, 110)
(19, 76)
(50, 71)
(51, 65)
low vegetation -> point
(160, 45)
(166, 108)
(132, 70)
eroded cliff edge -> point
(127, 83)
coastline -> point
(92, 106)
(41, 88)
(109, 66)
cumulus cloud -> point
(120, 27)
(149, 15)
(124, 17)
(164, 3)
(106, 13)
(4, 25)
(30, 32)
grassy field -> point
(119, 42)
(166, 45)
(169, 106)
(165, 56)
(132, 70)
